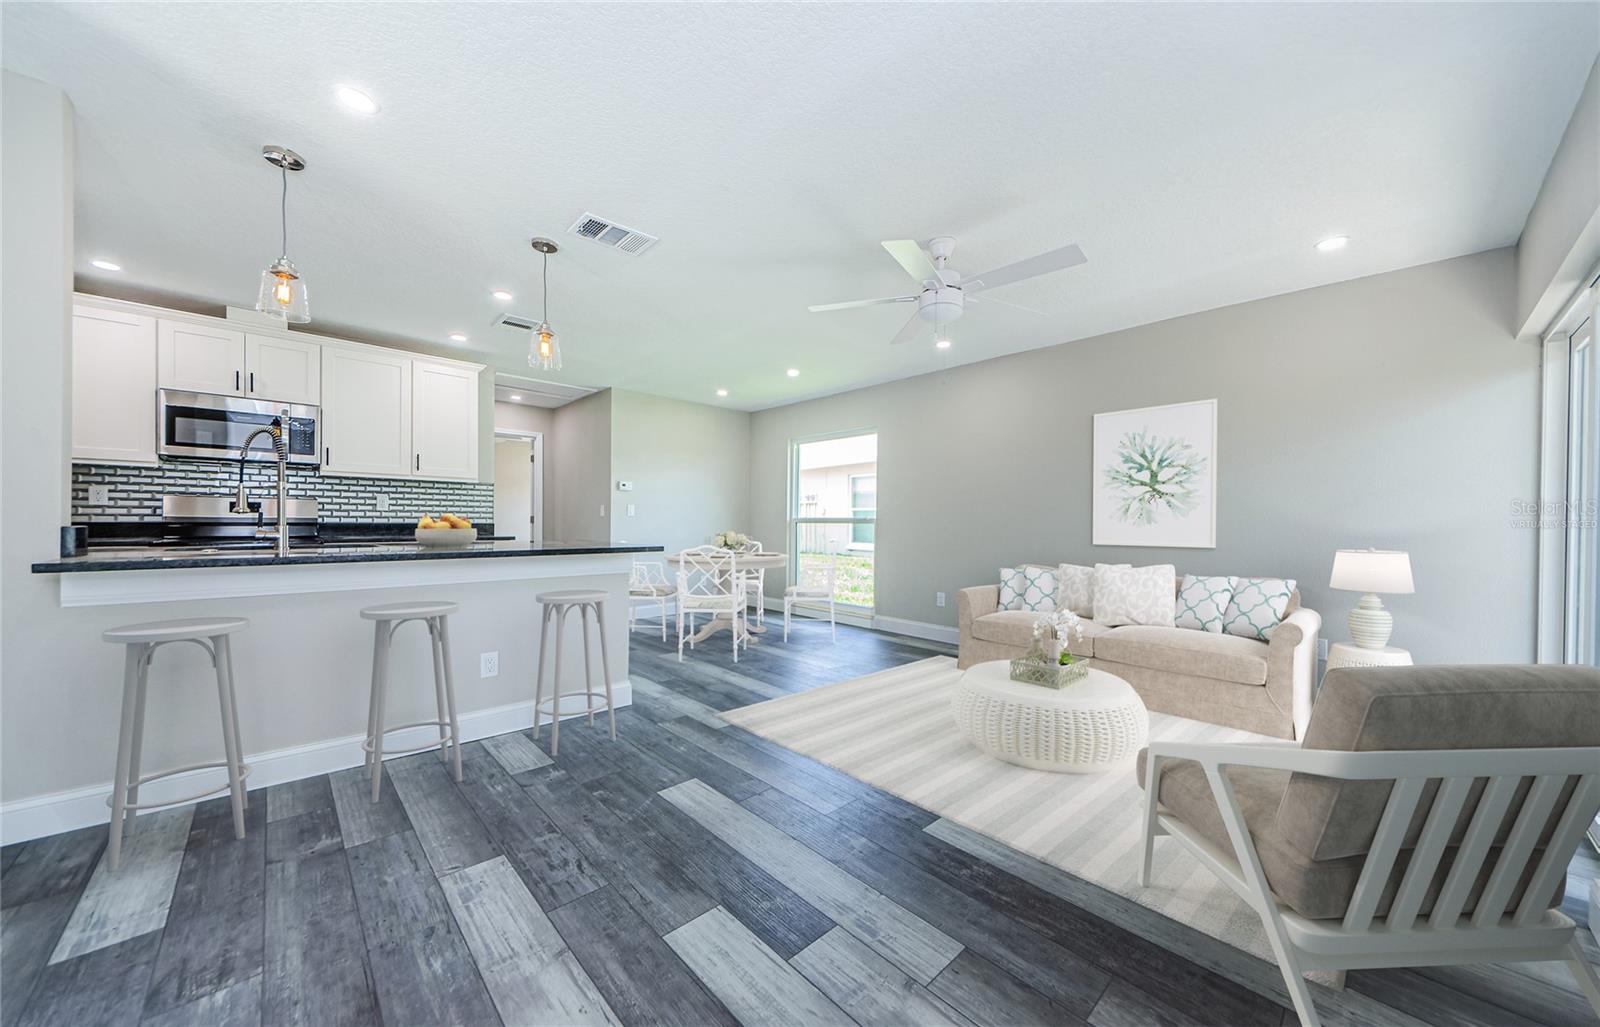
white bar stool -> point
(556, 607)
(388, 618)
(142, 640)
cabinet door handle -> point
(327, 455)
(419, 461)
(236, 381)
(252, 381)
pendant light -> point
(283, 291)
(544, 349)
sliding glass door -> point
(833, 514)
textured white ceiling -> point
(1196, 152)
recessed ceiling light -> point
(1333, 242)
(503, 295)
(515, 398)
(722, 392)
(457, 337)
(356, 100)
(105, 265)
(793, 372)
(941, 344)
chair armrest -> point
(1292, 666)
(975, 602)
(1380, 764)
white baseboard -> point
(897, 625)
(82, 807)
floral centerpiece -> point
(734, 540)
(1049, 661)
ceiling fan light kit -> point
(945, 293)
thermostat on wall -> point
(624, 486)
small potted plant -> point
(1049, 661)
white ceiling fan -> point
(945, 293)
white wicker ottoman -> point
(1096, 724)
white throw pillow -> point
(1203, 602)
(1075, 589)
(1257, 606)
(1011, 586)
(1028, 588)
(1134, 595)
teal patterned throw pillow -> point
(1028, 588)
(1257, 606)
(1203, 602)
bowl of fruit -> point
(448, 530)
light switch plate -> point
(489, 664)
(99, 495)
(630, 510)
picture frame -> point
(1154, 476)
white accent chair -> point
(1427, 819)
(813, 596)
(709, 582)
(648, 586)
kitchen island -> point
(304, 665)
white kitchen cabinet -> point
(113, 386)
(200, 358)
(444, 420)
(366, 412)
(285, 370)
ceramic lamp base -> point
(1370, 624)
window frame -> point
(794, 520)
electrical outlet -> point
(382, 502)
(489, 664)
(99, 495)
(1322, 648)
(938, 599)
(602, 509)
(630, 509)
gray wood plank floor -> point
(688, 873)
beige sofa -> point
(1222, 679)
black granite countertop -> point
(145, 558)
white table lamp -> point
(1371, 571)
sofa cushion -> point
(1319, 889)
(1202, 602)
(1015, 628)
(1440, 707)
(1134, 595)
(1242, 661)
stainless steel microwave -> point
(196, 425)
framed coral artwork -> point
(1155, 476)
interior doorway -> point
(519, 485)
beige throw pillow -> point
(1135, 595)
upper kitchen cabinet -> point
(366, 412)
(113, 386)
(201, 358)
(444, 420)
(286, 370)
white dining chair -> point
(709, 582)
(648, 586)
(812, 596)
(756, 583)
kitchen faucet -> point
(241, 501)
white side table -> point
(1347, 654)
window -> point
(833, 513)
(864, 508)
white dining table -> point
(744, 562)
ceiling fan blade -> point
(1007, 303)
(910, 330)
(909, 255)
(1043, 264)
(820, 307)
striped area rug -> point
(894, 731)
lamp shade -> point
(1371, 570)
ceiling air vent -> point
(609, 233)
(515, 322)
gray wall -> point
(578, 472)
(1561, 239)
(1394, 411)
(518, 417)
(689, 464)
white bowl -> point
(446, 536)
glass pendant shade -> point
(544, 349)
(283, 293)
